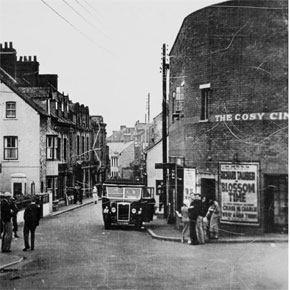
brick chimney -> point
(8, 58)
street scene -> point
(144, 145)
(73, 251)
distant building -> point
(127, 147)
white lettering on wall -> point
(252, 117)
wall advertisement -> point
(239, 192)
(189, 182)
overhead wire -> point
(74, 27)
(84, 18)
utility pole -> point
(165, 67)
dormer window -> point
(10, 110)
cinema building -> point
(228, 112)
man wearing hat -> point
(6, 216)
(32, 216)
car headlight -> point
(113, 210)
(134, 210)
(106, 210)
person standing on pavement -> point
(213, 216)
(32, 216)
(192, 213)
(199, 228)
(80, 194)
(6, 217)
(95, 194)
(204, 209)
(14, 217)
(185, 219)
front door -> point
(208, 188)
(276, 203)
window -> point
(204, 104)
(179, 99)
(78, 146)
(51, 147)
(83, 146)
(10, 109)
(10, 148)
(88, 147)
(65, 149)
(178, 102)
(58, 149)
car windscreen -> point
(114, 192)
(133, 193)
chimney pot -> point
(0, 46)
(34, 58)
(10, 44)
(6, 45)
(20, 59)
(29, 58)
(25, 58)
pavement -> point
(157, 229)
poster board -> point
(239, 192)
(189, 183)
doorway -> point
(276, 203)
(208, 188)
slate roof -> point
(12, 85)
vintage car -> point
(127, 203)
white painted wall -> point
(26, 126)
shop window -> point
(10, 148)
(10, 109)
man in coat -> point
(32, 216)
(6, 217)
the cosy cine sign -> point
(239, 192)
(275, 116)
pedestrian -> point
(80, 194)
(185, 219)
(6, 217)
(204, 209)
(192, 213)
(199, 227)
(213, 215)
(31, 221)
(95, 194)
(76, 194)
(14, 217)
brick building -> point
(48, 142)
(228, 111)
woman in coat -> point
(213, 216)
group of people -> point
(9, 210)
(201, 218)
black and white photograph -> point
(144, 144)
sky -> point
(107, 53)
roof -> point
(119, 147)
(12, 85)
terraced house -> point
(47, 142)
(228, 112)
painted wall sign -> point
(239, 192)
(252, 117)
(189, 182)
